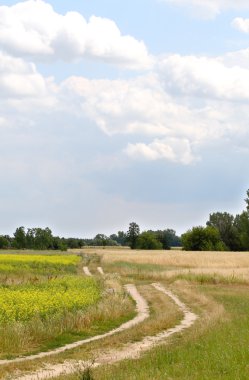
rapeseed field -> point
(70, 293)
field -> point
(214, 286)
(46, 302)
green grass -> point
(219, 353)
(137, 267)
(44, 304)
(206, 278)
(59, 339)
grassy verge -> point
(218, 350)
(38, 335)
(45, 305)
(155, 272)
(158, 321)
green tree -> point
(30, 238)
(224, 222)
(19, 241)
(120, 238)
(168, 238)
(4, 243)
(43, 238)
(241, 223)
(247, 200)
(202, 239)
(148, 240)
(132, 234)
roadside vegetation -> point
(215, 286)
(217, 351)
(45, 302)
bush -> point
(3, 242)
(202, 239)
(147, 240)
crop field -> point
(16, 263)
(42, 299)
(46, 302)
(212, 285)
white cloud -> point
(20, 79)
(241, 24)
(172, 149)
(209, 8)
(167, 124)
(32, 28)
(168, 115)
(204, 77)
(239, 58)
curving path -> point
(129, 351)
(100, 270)
(87, 271)
(142, 309)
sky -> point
(113, 112)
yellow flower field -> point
(39, 263)
(22, 302)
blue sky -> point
(116, 112)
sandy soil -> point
(87, 271)
(100, 270)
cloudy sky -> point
(112, 112)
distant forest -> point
(223, 232)
(43, 239)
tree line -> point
(43, 239)
(223, 232)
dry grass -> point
(210, 312)
(171, 263)
(179, 258)
(164, 312)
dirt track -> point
(142, 313)
(129, 351)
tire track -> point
(129, 351)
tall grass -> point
(45, 333)
(179, 259)
(42, 306)
(218, 351)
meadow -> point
(213, 285)
(46, 302)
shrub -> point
(203, 239)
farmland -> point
(46, 302)
(213, 285)
(38, 263)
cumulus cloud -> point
(204, 77)
(169, 115)
(33, 29)
(209, 8)
(23, 89)
(19, 78)
(172, 149)
(167, 121)
(241, 24)
(138, 106)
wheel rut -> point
(128, 351)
